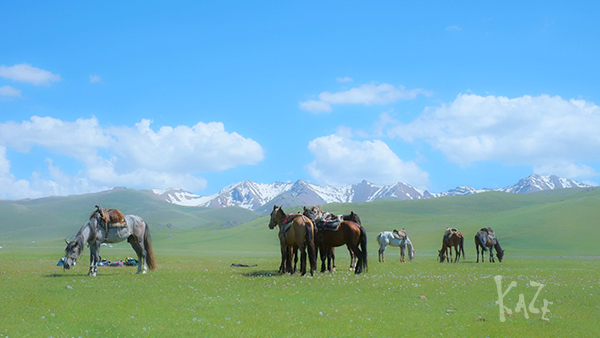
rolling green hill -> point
(60, 217)
(555, 223)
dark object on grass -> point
(243, 265)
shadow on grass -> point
(58, 275)
(261, 273)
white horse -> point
(386, 238)
(99, 229)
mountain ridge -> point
(253, 196)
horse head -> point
(352, 217)
(500, 254)
(313, 213)
(441, 255)
(275, 216)
(72, 252)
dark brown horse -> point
(486, 239)
(349, 232)
(452, 239)
(294, 231)
(323, 220)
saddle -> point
(328, 223)
(109, 218)
(450, 231)
(287, 223)
(399, 234)
(489, 238)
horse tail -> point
(310, 242)
(479, 240)
(462, 246)
(363, 247)
(150, 261)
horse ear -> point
(305, 209)
(66, 241)
(274, 206)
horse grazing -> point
(295, 231)
(395, 238)
(452, 238)
(486, 238)
(325, 221)
(100, 229)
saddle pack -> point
(109, 218)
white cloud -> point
(203, 147)
(367, 94)
(9, 91)
(27, 73)
(453, 28)
(340, 160)
(542, 131)
(344, 79)
(95, 79)
(315, 106)
(136, 157)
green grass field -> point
(197, 293)
(549, 238)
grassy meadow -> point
(549, 238)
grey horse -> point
(97, 231)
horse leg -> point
(492, 255)
(303, 260)
(402, 259)
(323, 257)
(138, 247)
(381, 251)
(295, 253)
(332, 254)
(283, 259)
(331, 259)
(358, 255)
(352, 258)
(94, 253)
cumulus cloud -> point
(203, 147)
(547, 132)
(136, 156)
(8, 91)
(27, 73)
(340, 160)
(367, 94)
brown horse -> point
(294, 231)
(452, 238)
(486, 239)
(349, 232)
(323, 220)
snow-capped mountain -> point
(535, 183)
(251, 195)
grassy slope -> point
(195, 292)
(59, 217)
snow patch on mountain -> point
(252, 195)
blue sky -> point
(201, 95)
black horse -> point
(486, 239)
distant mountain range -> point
(259, 196)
